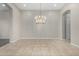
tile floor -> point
(38, 47)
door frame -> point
(64, 25)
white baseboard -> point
(75, 45)
(37, 38)
(13, 41)
(61, 39)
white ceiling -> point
(36, 6)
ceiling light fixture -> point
(55, 5)
(3, 5)
(40, 19)
(24, 5)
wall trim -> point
(37, 38)
(74, 44)
(13, 41)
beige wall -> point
(5, 24)
(31, 30)
(74, 22)
(15, 31)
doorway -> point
(5, 23)
(66, 26)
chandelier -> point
(40, 19)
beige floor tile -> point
(37, 47)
